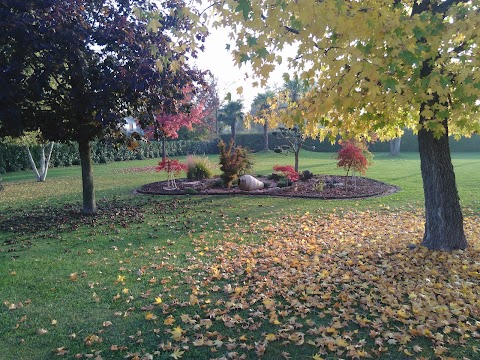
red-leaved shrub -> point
(172, 168)
(288, 171)
(353, 156)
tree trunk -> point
(233, 127)
(265, 136)
(395, 146)
(164, 149)
(32, 162)
(89, 204)
(46, 161)
(296, 153)
(444, 220)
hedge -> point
(409, 143)
(14, 158)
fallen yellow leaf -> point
(169, 321)
(177, 354)
(270, 337)
(150, 316)
(158, 300)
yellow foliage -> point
(372, 67)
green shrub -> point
(199, 168)
(283, 182)
(190, 191)
(218, 183)
(234, 162)
(306, 175)
(274, 177)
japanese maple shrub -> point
(172, 168)
(353, 156)
(234, 161)
(288, 171)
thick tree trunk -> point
(265, 136)
(444, 220)
(395, 146)
(89, 203)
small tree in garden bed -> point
(234, 161)
(295, 141)
(354, 156)
(288, 171)
(173, 168)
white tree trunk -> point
(32, 163)
(44, 161)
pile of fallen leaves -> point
(151, 168)
(344, 285)
(347, 285)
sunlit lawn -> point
(242, 277)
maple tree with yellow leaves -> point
(367, 64)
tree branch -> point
(295, 31)
(444, 6)
(208, 7)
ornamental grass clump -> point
(199, 168)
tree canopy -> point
(75, 69)
(230, 114)
(365, 60)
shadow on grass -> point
(48, 221)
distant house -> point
(132, 126)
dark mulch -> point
(333, 188)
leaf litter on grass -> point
(348, 284)
(351, 285)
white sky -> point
(220, 62)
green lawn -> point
(64, 184)
(238, 277)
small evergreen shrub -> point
(306, 175)
(234, 162)
(284, 182)
(199, 168)
(190, 191)
(274, 177)
(218, 183)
